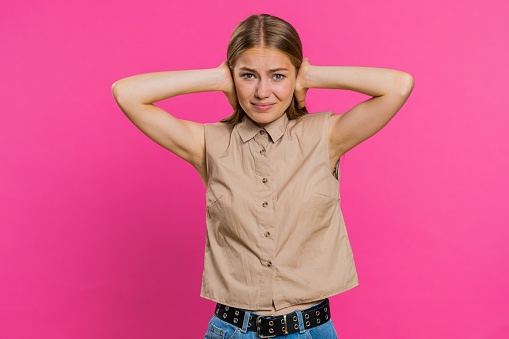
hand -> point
(227, 85)
(300, 85)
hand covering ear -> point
(300, 85)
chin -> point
(263, 117)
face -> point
(265, 81)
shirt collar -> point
(248, 129)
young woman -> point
(276, 245)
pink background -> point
(103, 231)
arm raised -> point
(135, 96)
(389, 90)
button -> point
(269, 264)
(262, 151)
(262, 131)
(264, 180)
(265, 204)
(266, 234)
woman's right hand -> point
(227, 84)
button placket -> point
(261, 145)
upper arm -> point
(184, 138)
(361, 122)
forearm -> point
(152, 87)
(371, 81)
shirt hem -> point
(280, 306)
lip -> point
(263, 106)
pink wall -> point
(102, 231)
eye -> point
(247, 75)
(279, 76)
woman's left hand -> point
(301, 86)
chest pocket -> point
(214, 209)
(224, 220)
(218, 220)
(319, 212)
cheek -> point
(243, 91)
(285, 91)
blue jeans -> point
(220, 329)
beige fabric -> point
(275, 230)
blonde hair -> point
(264, 30)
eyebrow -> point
(270, 71)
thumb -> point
(232, 99)
(301, 100)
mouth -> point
(263, 105)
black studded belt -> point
(274, 325)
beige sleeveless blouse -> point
(275, 230)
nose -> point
(263, 89)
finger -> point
(232, 99)
(300, 102)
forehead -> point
(263, 58)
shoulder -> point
(217, 136)
(313, 119)
(218, 124)
(218, 128)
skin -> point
(389, 89)
(264, 75)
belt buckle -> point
(258, 320)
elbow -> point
(114, 87)
(405, 84)
(116, 90)
(409, 82)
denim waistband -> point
(294, 311)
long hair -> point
(264, 30)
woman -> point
(276, 245)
